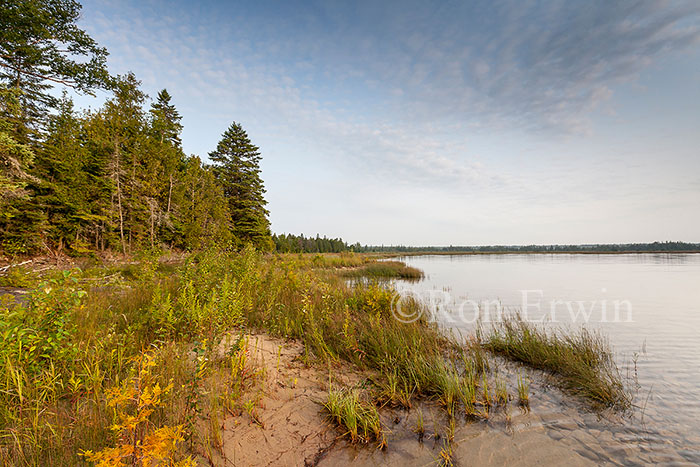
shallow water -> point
(658, 327)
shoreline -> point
(310, 335)
(470, 253)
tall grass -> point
(359, 418)
(385, 269)
(73, 344)
(77, 339)
(583, 360)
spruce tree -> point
(65, 186)
(165, 130)
(41, 45)
(237, 167)
(200, 210)
(118, 135)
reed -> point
(357, 417)
(583, 360)
(385, 270)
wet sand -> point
(291, 428)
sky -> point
(438, 123)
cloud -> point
(514, 63)
(389, 98)
(497, 64)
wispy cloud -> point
(399, 96)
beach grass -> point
(385, 270)
(583, 360)
(358, 418)
(76, 342)
(72, 343)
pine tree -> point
(40, 45)
(165, 131)
(201, 211)
(237, 168)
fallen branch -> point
(10, 266)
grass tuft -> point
(359, 418)
(385, 270)
(583, 360)
(523, 391)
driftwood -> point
(10, 266)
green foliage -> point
(358, 418)
(40, 333)
(202, 217)
(583, 360)
(15, 157)
(237, 168)
(289, 243)
(67, 357)
(40, 44)
(115, 179)
(386, 270)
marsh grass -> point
(385, 270)
(523, 391)
(445, 456)
(359, 418)
(583, 360)
(419, 429)
(501, 396)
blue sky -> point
(399, 122)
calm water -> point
(658, 325)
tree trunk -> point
(119, 195)
(170, 192)
(153, 216)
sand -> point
(290, 429)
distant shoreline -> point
(530, 252)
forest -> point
(115, 179)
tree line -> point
(115, 178)
(289, 243)
(591, 248)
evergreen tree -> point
(40, 45)
(237, 168)
(68, 184)
(15, 157)
(201, 211)
(18, 223)
(119, 139)
(117, 178)
(167, 150)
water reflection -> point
(663, 336)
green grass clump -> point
(583, 360)
(385, 270)
(358, 417)
(523, 391)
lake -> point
(647, 304)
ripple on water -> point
(664, 334)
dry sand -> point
(290, 428)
